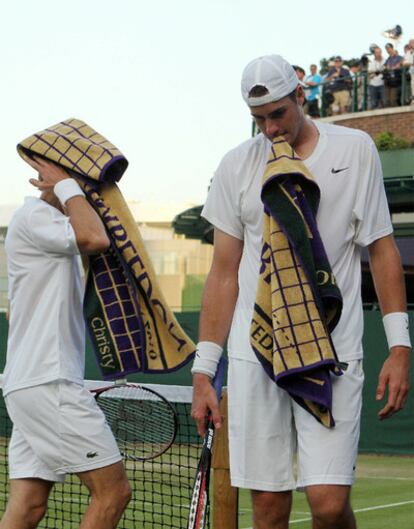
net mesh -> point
(161, 487)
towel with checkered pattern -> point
(298, 303)
(129, 323)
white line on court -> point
(386, 477)
(247, 510)
(385, 506)
(376, 507)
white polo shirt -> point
(353, 212)
(376, 66)
(46, 330)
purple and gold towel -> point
(130, 325)
(298, 302)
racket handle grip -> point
(218, 379)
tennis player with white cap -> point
(266, 426)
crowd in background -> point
(377, 80)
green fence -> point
(393, 436)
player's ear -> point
(300, 95)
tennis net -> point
(161, 487)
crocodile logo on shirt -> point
(91, 454)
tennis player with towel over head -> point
(57, 426)
(291, 209)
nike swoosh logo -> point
(334, 171)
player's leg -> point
(27, 503)
(69, 435)
(327, 457)
(110, 494)
(261, 440)
(89, 450)
(271, 510)
(331, 507)
(336, 105)
(30, 481)
(345, 99)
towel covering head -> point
(130, 325)
(79, 148)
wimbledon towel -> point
(298, 302)
(130, 325)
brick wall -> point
(399, 121)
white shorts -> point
(57, 429)
(267, 428)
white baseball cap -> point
(273, 73)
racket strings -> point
(144, 424)
(136, 416)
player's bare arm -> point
(388, 278)
(219, 299)
(89, 231)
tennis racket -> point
(200, 504)
(143, 422)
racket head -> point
(143, 422)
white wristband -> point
(396, 329)
(66, 189)
(206, 358)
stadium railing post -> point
(403, 94)
(355, 94)
(225, 497)
(365, 90)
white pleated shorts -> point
(268, 430)
(57, 429)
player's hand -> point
(49, 173)
(395, 375)
(204, 401)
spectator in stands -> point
(408, 62)
(355, 71)
(312, 92)
(375, 79)
(392, 76)
(327, 96)
(300, 73)
(340, 87)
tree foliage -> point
(387, 141)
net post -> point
(225, 497)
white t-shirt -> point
(353, 212)
(46, 330)
(376, 66)
(409, 60)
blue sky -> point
(161, 79)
